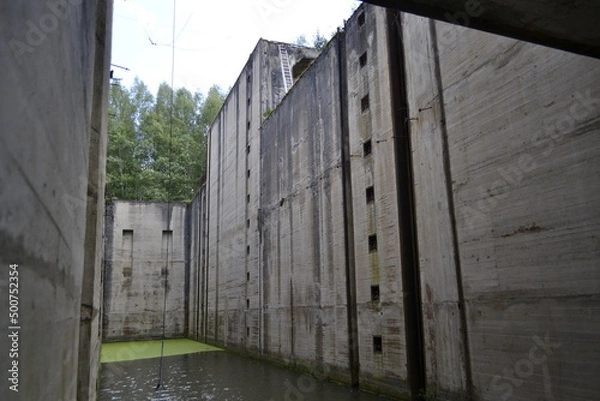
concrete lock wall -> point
(144, 257)
(379, 290)
(506, 148)
(301, 225)
(232, 276)
(195, 249)
(472, 203)
(55, 62)
(420, 209)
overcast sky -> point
(213, 38)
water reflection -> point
(218, 376)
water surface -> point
(218, 376)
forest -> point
(155, 152)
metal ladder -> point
(285, 68)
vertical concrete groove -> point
(353, 351)
(411, 283)
(91, 291)
(452, 210)
(187, 240)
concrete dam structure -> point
(414, 210)
(416, 207)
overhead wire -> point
(169, 188)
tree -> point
(301, 41)
(157, 152)
(319, 41)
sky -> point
(213, 38)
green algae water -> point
(132, 350)
(205, 373)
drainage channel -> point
(195, 371)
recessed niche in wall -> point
(370, 194)
(377, 344)
(373, 243)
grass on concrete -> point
(134, 350)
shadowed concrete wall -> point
(144, 248)
(506, 162)
(54, 59)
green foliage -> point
(155, 153)
(267, 113)
(301, 41)
(319, 41)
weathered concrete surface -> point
(506, 145)
(54, 64)
(195, 259)
(380, 268)
(92, 292)
(144, 248)
(232, 277)
(302, 225)
(504, 160)
(568, 25)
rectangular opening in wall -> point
(248, 250)
(364, 103)
(247, 276)
(377, 344)
(248, 125)
(370, 194)
(247, 303)
(248, 173)
(375, 293)
(249, 101)
(361, 19)
(127, 247)
(362, 60)
(248, 198)
(167, 244)
(367, 147)
(248, 331)
(248, 223)
(373, 243)
(248, 149)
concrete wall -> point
(379, 289)
(195, 249)
(232, 277)
(54, 57)
(145, 249)
(506, 145)
(483, 194)
(301, 223)
(418, 210)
